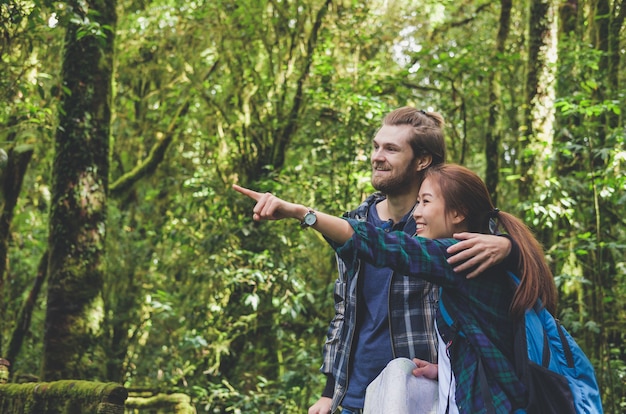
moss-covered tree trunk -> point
(79, 195)
(538, 113)
(493, 134)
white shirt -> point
(447, 383)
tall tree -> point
(538, 112)
(11, 178)
(79, 195)
(493, 134)
(604, 260)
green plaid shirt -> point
(480, 306)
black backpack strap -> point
(520, 352)
(484, 388)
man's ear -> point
(423, 161)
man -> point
(381, 315)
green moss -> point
(163, 403)
(62, 397)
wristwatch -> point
(309, 219)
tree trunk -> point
(539, 100)
(22, 322)
(79, 197)
(13, 167)
(604, 262)
(493, 135)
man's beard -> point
(395, 185)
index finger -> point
(247, 192)
(420, 362)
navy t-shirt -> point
(372, 340)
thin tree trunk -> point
(11, 179)
(493, 135)
(22, 324)
(603, 262)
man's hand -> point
(477, 252)
(322, 406)
(426, 369)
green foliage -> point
(201, 299)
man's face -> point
(393, 161)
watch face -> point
(310, 218)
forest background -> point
(124, 254)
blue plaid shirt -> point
(480, 306)
(412, 310)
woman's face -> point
(429, 214)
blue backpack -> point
(559, 377)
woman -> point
(452, 199)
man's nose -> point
(377, 155)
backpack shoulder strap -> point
(535, 347)
(453, 328)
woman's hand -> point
(426, 369)
(270, 207)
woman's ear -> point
(457, 218)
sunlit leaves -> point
(588, 107)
